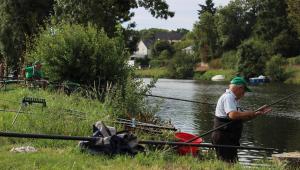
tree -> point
(252, 58)
(208, 7)
(206, 37)
(162, 45)
(20, 19)
(294, 14)
(272, 26)
(107, 14)
(234, 23)
(275, 68)
(81, 54)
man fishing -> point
(34, 74)
(227, 110)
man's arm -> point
(236, 115)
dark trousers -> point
(229, 135)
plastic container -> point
(184, 137)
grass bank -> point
(161, 72)
(207, 75)
(57, 118)
(295, 74)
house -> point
(188, 50)
(144, 46)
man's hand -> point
(263, 110)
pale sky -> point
(186, 14)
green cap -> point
(240, 81)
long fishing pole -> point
(225, 124)
(172, 98)
(148, 142)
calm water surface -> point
(279, 129)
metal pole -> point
(147, 142)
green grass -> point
(153, 72)
(58, 154)
(229, 74)
(295, 74)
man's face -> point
(38, 66)
(241, 92)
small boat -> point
(258, 80)
(218, 78)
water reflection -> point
(279, 129)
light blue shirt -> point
(227, 103)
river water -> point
(279, 129)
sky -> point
(186, 14)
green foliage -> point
(208, 7)
(155, 63)
(206, 37)
(294, 14)
(80, 54)
(20, 20)
(160, 46)
(234, 23)
(229, 60)
(161, 72)
(252, 58)
(229, 74)
(275, 68)
(286, 44)
(182, 65)
(107, 14)
(294, 60)
(128, 100)
(215, 64)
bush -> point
(155, 63)
(294, 60)
(229, 60)
(182, 65)
(252, 56)
(80, 54)
(229, 74)
(215, 64)
(275, 68)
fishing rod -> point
(147, 125)
(147, 142)
(172, 98)
(225, 124)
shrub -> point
(294, 60)
(215, 64)
(252, 56)
(275, 68)
(229, 60)
(182, 65)
(80, 54)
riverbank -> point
(57, 118)
(293, 71)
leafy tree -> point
(82, 55)
(272, 26)
(275, 68)
(20, 19)
(160, 46)
(150, 33)
(182, 65)
(294, 14)
(252, 58)
(108, 13)
(206, 37)
(234, 23)
(208, 7)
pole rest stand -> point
(29, 101)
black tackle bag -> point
(111, 142)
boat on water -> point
(259, 80)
